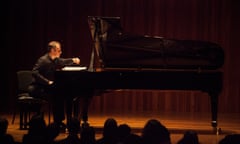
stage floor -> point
(177, 123)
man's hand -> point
(50, 82)
(76, 60)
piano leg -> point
(80, 107)
(214, 110)
(85, 105)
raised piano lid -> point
(118, 50)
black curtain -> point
(30, 24)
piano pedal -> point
(217, 130)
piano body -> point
(126, 61)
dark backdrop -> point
(30, 24)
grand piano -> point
(127, 61)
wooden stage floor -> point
(177, 123)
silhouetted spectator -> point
(53, 131)
(155, 133)
(189, 137)
(230, 139)
(109, 132)
(133, 139)
(124, 130)
(4, 137)
(87, 135)
(37, 133)
(73, 136)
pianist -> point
(43, 81)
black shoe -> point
(85, 124)
(62, 127)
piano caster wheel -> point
(217, 131)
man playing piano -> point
(43, 81)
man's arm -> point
(68, 61)
(41, 69)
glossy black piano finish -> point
(85, 83)
(143, 62)
(117, 49)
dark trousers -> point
(65, 102)
(80, 107)
(58, 107)
(57, 100)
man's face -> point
(57, 51)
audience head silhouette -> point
(109, 135)
(133, 139)
(155, 133)
(110, 126)
(53, 131)
(88, 135)
(73, 125)
(3, 126)
(124, 130)
(231, 139)
(37, 132)
(190, 137)
(37, 125)
(4, 137)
